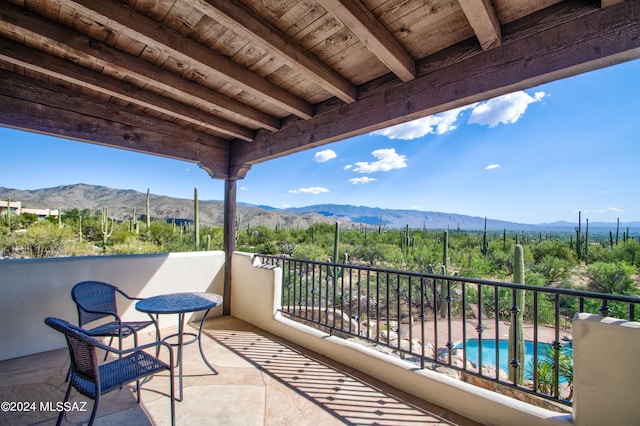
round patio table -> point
(181, 304)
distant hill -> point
(414, 218)
(121, 203)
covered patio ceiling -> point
(228, 84)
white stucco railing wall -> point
(33, 289)
(606, 371)
(255, 298)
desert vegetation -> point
(604, 262)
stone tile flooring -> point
(261, 380)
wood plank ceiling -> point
(228, 84)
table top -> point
(177, 303)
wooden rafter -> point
(37, 61)
(145, 30)
(373, 35)
(272, 40)
(482, 18)
(78, 45)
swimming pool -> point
(489, 353)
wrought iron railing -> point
(448, 322)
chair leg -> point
(66, 398)
(95, 409)
(173, 396)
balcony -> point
(272, 369)
(262, 380)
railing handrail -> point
(331, 295)
(505, 284)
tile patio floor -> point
(262, 380)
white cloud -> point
(440, 124)
(506, 109)
(348, 167)
(362, 180)
(326, 155)
(493, 166)
(315, 190)
(605, 210)
(243, 188)
(388, 159)
(503, 109)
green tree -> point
(372, 254)
(552, 248)
(627, 251)
(555, 270)
(310, 252)
(611, 277)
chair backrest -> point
(82, 349)
(94, 296)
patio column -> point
(229, 241)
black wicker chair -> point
(93, 380)
(96, 300)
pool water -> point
(489, 353)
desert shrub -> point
(612, 277)
(310, 252)
(134, 245)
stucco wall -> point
(605, 371)
(255, 298)
(33, 289)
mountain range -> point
(121, 203)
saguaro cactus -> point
(444, 270)
(196, 217)
(516, 328)
(484, 238)
(335, 271)
(148, 214)
(105, 229)
(579, 237)
(586, 243)
(133, 223)
(8, 217)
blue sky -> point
(534, 156)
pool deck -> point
(489, 331)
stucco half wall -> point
(256, 296)
(33, 289)
(605, 371)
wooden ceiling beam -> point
(375, 37)
(484, 21)
(81, 46)
(593, 38)
(43, 63)
(36, 106)
(607, 3)
(125, 20)
(260, 33)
